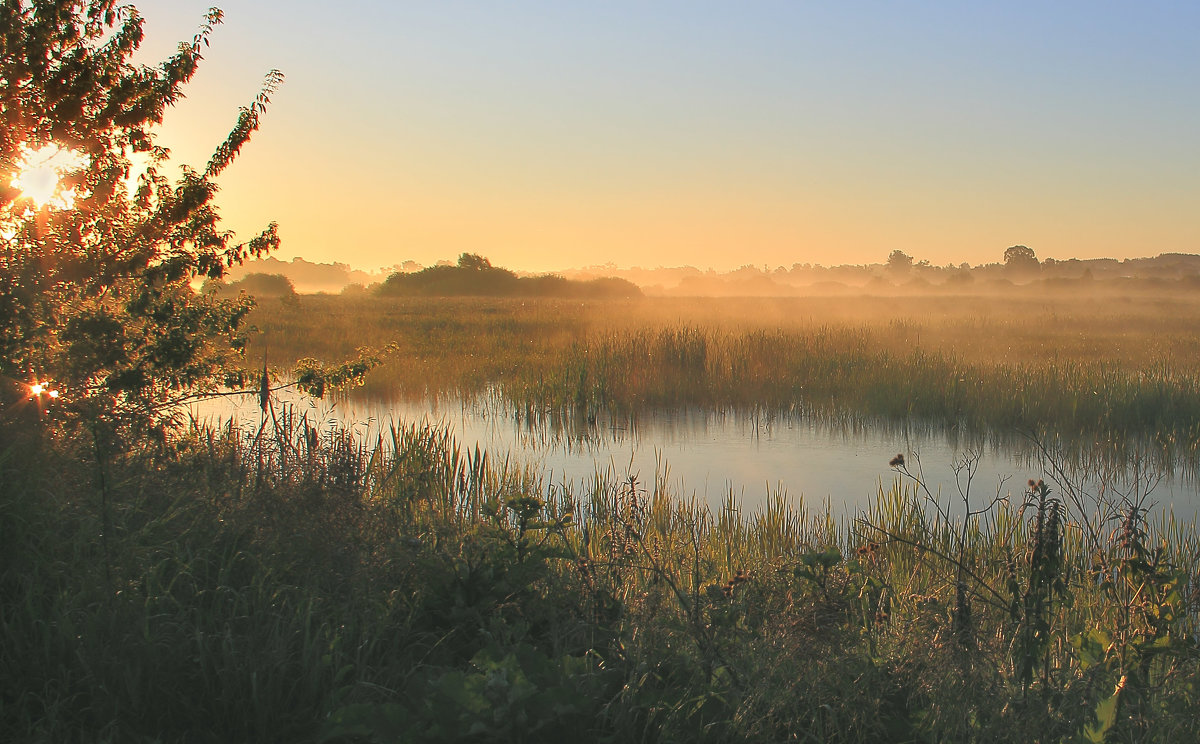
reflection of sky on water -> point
(709, 454)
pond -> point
(709, 455)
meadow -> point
(288, 582)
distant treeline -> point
(903, 274)
(900, 273)
(474, 276)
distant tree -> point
(475, 276)
(474, 262)
(959, 276)
(608, 287)
(95, 292)
(1020, 260)
(255, 285)
(899, 263)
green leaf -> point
(1090, 648)
(825, 559)
(1106, 715)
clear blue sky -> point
(555, 134)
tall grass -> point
(1097, 370)
(287, 583)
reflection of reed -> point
(533, 434)
(573, 430)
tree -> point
(1020, 260)
(95, 285)
(473, 262)
(899, 263)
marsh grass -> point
(284, 582)
(1118, 373)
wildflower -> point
(1130, 529)
(869, 551)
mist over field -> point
(653, 372)
(900, 274)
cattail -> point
(264, 389)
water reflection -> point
(838, 461)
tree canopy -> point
(1020, 259)
(95, 282)
(899, 262)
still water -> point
(709, 455)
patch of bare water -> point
(709, 455)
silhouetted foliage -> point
(1020, 260)
(899, 263)
(476, 277)
(255, 285)
(473, 261)
(95, 291)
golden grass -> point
(1090, 367)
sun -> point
(38, 172)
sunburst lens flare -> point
(36, 388)
(37, 175)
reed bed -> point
(286, 582)
(1121, 373)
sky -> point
(552, 135)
